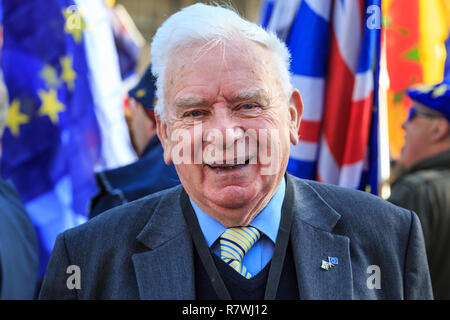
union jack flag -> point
(335, 49)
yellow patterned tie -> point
(234, 244)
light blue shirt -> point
(267, 222)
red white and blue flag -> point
(335, 49)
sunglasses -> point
(413, 112)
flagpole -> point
(383, 132)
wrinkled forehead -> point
(220, 62)
(221, 54)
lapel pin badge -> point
(332, 261)
(325, 265)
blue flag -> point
(52, 139)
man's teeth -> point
(231, 167)
(228, 167)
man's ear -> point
(152, 126)
(163, 135)
(440, 130)
(295, 114)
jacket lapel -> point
(313, 241)
(169, 261)
(166, 270)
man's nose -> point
(404, 124)
(223, 130)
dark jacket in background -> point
(19, 259)
(146, 176)
(425, 189)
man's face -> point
(418, 133)
(231, 111)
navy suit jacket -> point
(143, 250)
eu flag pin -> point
(333, 260)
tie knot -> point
(235, 242)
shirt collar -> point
(267, 221)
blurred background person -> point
(18, 243)
(147, 175)
(424, 183)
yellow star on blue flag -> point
(68, 74)
(50, 76)
(15, 117)
(51, 106)
(74, 22)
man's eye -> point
(248, 106)
(195, 113)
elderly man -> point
(238, 227)
(424, 184)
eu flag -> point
(52, 139)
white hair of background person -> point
(211, 25)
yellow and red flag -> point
(415, 32)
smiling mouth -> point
(227, 166)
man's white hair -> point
(206, 23)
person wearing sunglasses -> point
(424, 183)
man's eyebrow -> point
(191, 102)
(252, 94)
